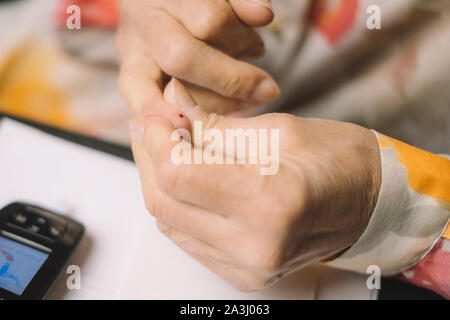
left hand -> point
(252, 229)
(201, 42)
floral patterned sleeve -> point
(409, 233)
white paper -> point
(154, 277)
(99, 190)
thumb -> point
(177, 95)
(255, 13)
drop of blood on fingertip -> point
(180, 115)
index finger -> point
(140, 83)
(182, 56)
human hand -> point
(194, 41)
(252, 229)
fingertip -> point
(177, 115)
(262, 17)
(167, 110)
(266, 90)
(186, 102)
(255, 13)
(181, 122)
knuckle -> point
(282, 120)
(290, 128)
(269, 265)
(265, 261)
(291, 122)
(210, 23)
(237, 84)
(177, 58)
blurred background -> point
(395, 80)
(65, 78)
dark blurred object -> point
(392, 289)
(115, 149)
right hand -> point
(197, 42)
(252, 229)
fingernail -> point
(264, 3)
(266, 91)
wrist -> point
(408, 218)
